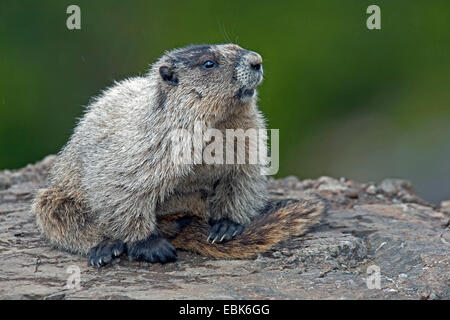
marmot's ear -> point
(168, 75)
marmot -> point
(115, 189)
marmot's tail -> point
(64, 221)
(281, 220)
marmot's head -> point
(209, 77)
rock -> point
(5, 181)
(372, 189)
(445, 206)
(392, 186)
(368, 227)
(331, 184)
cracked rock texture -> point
(369, 227)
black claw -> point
(224, 230)
(105, 251)
(233, 231)
(214, 229)
(153, 249)
(239, 230)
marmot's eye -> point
(208, 64)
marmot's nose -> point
(254, 60)
(256, 66)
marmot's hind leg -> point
(64, 221)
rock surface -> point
(369, 228)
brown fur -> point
(64, 222)
(282, 220)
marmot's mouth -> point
(248, 93)
(245, 94)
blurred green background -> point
(364, 104)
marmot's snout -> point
(249, 73)
(254, 60)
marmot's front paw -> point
(153, 249)
(224, 230)
(105, 251)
